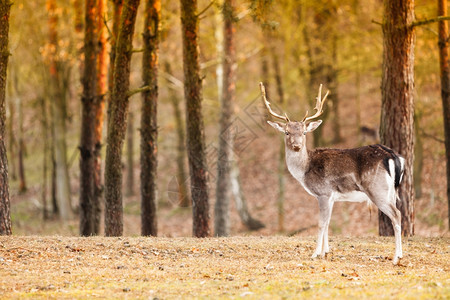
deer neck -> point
(297, 162)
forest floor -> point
(237, 267)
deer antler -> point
(319, 105)
(267, 104)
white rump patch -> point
(392, 168)
(402, 164)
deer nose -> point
(296, 147)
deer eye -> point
(287, 133)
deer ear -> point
(313, 126)
(276, 125)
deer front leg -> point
(326, 248)
(325, 208)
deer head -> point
(295, 132)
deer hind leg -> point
(388, 207)
(325, 209)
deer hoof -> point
(396, 261)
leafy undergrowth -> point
(237, 267)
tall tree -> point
(12, 138)
(102, 89)
(226, 136)
(17, 101)
(445, 88)
(194, 118)
(319, 34)
(149, 127)
(183, 193)
(116, 14)
(118, 121)
(281, 152)
(58, 91)
(397, 109)
(129, 185)
(88, 205)
(235, 180)
(45, 145)
(21, 142)
(5, 216)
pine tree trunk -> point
(117, 13)
(88, 202)
(226, 136)
(183, 195)
(57, 94)
(5, 216)
(281, 152)
(318, 43)
(45, 152)
(149, 127)
(418, 155)
(102, 90)
(78, 18)
(445, 88)
(334, 84)
(55, 208)
(13, 79)
(397, 109)
(21, 145)
(241, 203)
(118, 121)
(130, 148)
(12, 139)
(194, 119)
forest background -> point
(355, 51)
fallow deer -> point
(371, 173)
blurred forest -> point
(277, 42)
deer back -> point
(348, 170)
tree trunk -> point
(118, 121)
(55, 208)
(319, 40)
(445, 88)
(102, 90)
(5, 216)
(194, 119)
(58, 110)
(226, 136)
(45, 145)
(241, 203)
(130, 149)
(117, 13)
(358, 98)
(418, 154)
(12, 138)
(334, 84)
(78, 19)
(183, 195)
(149, 127)
(397, 110)
(281, 155)
(21, 144)
(88, 203)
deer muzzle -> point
(296, 147)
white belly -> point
(354, 196)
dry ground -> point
(237, 267)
